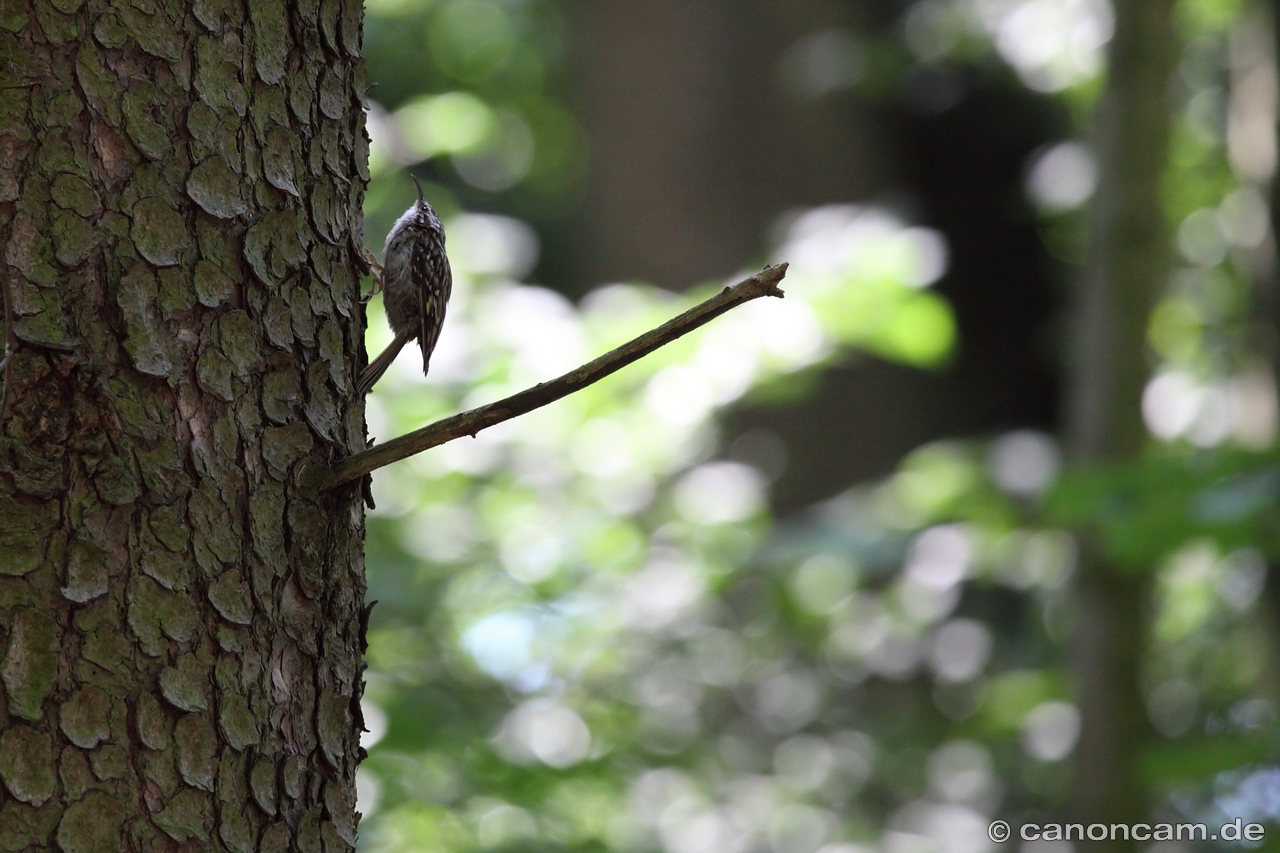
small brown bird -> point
(416, 282)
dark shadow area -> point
(962, 174)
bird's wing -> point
(432, 268)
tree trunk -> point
(696, 147)
(1266, 291)
(1126, 268)
(180, 609)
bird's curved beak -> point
(421, 200)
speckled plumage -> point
(416, 283)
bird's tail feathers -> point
(371, 374)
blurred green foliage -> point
(467, 92)
(592, 635)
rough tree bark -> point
(180, 608)
(1127, 265)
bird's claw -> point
(375, 272)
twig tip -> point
(776, 273)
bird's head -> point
(422, 210)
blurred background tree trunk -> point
(180, 608)
(708, 118)
(1126, 268)
(699, 134)
(1266, 302)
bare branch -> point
(764, 283)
